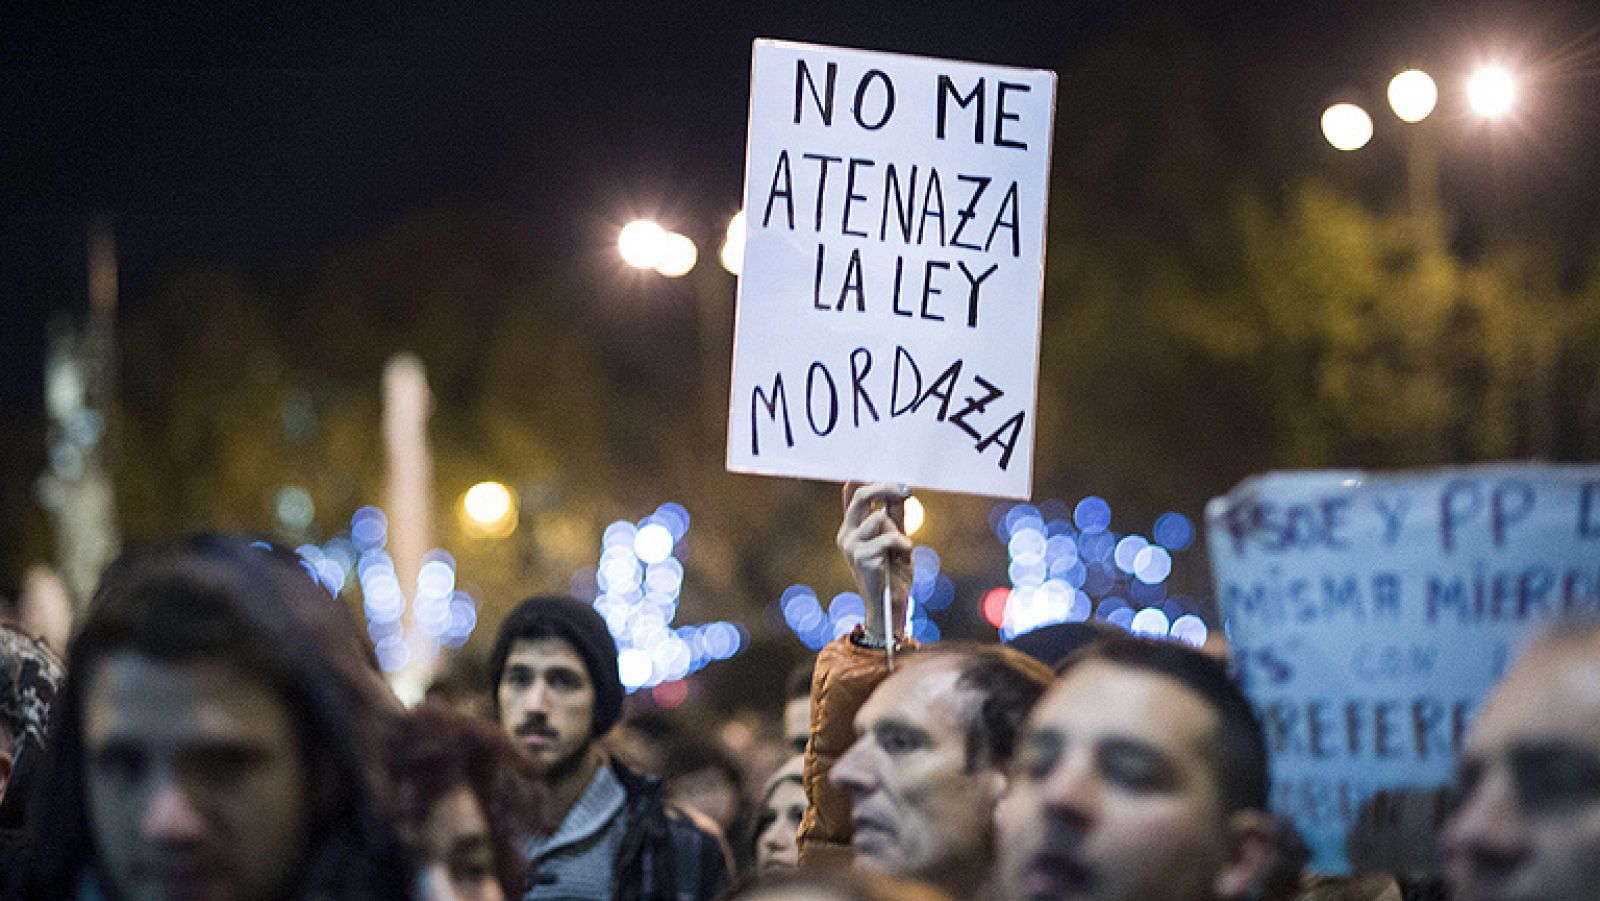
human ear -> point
(1250, 853)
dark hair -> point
(652, 724)
(435, 749)
(576, 623)
(765, 816)
(687, 757)
(798, 683)
(251, 606)
(1007, 683)
(1051, 644)
(1239, 750)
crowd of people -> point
(219, 729)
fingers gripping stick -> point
(874, 543)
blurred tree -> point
(1206, 317)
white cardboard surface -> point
(862, 352)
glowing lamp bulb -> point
(677, 257)
(489, 508)
(1412, 95)
(732, 254)
(1346, 126)
(640, 243)
(1491, 92)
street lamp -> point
(1346, 126)
(916, 515)
(1412, 95)
(733, 244)
(1491, 92)
(646, 245)
(489, 510)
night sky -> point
(269, 138)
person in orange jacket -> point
(904, 767)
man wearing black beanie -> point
(557, 693)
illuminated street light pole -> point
(1346, 126)
(647, 246)
(1413, 95)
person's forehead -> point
(923, 693)
(1098, 698)
(130, 693)
(543, 652)
(785, 794)
(1554, 694)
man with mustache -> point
(1528, 823)
(1141, 776)
(557, 693)
(904, 769)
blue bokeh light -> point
(1128, 550)
(1149, 623)
(1152, 565)
(1190, 630)
(1092, 514)
(1173, 531)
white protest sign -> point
(889, 303)
(1370, 614)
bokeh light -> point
(1173, 531)
(1412, 95)
(1063, 571)
(1152, 565)
(653, 543)
(294, 508)
(636, 586)
(1491, 91)
(1150, 622)
(1092, 514)
(635, 667)
(489, 510)
(1190, 630)
(993, 606)
(640, 243)
(916, 515)
(369, 528)
(677, 256)
(670, 694)
(1346, 126)
(732, 253)
(1128, 549)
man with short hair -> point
(1528, 824)
(904, 769)
(218, 739)
(558, 692)
(1141, 776)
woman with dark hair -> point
(465, 797)
(219, 737)
(774, 843)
